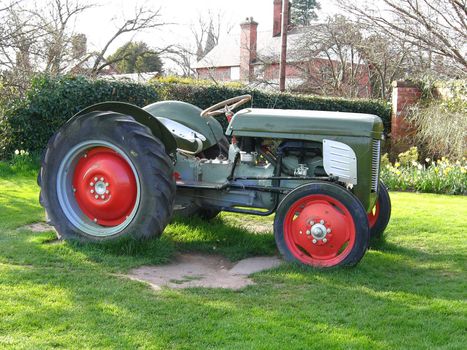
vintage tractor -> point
(117, 170)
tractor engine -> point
(251, 163)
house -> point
(253, 57)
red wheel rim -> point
(105, 186)
(373, 214)
(319, 230)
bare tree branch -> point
(436, 27)
(143, 19)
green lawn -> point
(411, 294)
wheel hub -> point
(95, 174)
(318, 231)
(100, 187)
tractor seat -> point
(187, 139)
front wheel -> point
(379, 216)
(321, 225)
(105, 176)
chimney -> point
(248, 37)
(277, 18)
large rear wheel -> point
(105, 176)
(321, 225)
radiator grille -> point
(375, 161)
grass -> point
(410, 294)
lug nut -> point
(324, 240)
(91, 184)
(102, 179)
(95, 179)
(308, 232)
(312, 222)
(106, 184)
(96, 196)
(314, 241)
(107, 192)
(322, 222)
(328, 230)
(103, 197)
(92, 191)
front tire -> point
(105, 176)
(321, 225)
(380, 215)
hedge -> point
(28, 123)
(205, 96)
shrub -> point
(205, 96)
(441, 127)
(408, 157)
(28, 123)
(435, 176)
(173, 79)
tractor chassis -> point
(275, 188)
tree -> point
(436, 29)
(136, 57)
(329, 58)
(303, 12)
(56, 21)
(386, 58)
(37, 39)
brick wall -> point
(216, 73)
(404, 95)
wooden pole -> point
(283, 60)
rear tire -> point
(322, 225)
(105, 176)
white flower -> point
(22, 152)
(16, 152)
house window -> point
(235, 73)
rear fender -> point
(141, 116)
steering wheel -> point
(226, 106)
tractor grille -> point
(375, 161)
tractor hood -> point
(301, 124)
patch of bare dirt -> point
(260, 227)
(208, 271)
(253, 225)
(37, 227)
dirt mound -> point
(209, 271)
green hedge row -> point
(27, 124)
